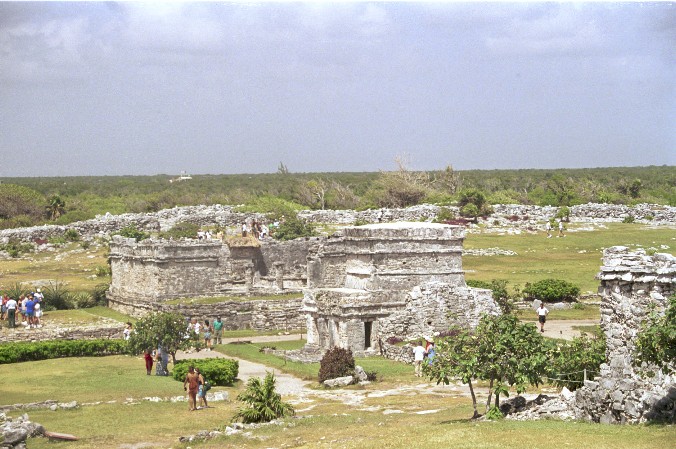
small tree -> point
(570, 359)
(501, 350)
(168, 330)
(263, 402)
(55, 207)
(551, 290)
(656, 343)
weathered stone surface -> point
(339, 382)
(14, 432)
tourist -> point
(149, 361)
(202, 389)
(38, 314)
(126, 333)
(542, 316)
(160, 366)
(3, 309)
(191, 385)
(548, 228)
(561, 229)
(19, 309)
(29, 304)
(265, 232)
(430, 353)
(11, 312)
(218, 330)
(418, 357)
(207, 335)
(244, 229)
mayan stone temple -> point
(369, 283)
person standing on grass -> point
(561, 229)
(542, 315)
(418, 357)
(149, 361)
(11, 312)
(191, 385)
(202, 389)
(207, 335)
(30, 311)
(218, 331)
(5, 298)
(548, 228)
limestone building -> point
(369, 283)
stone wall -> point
(53, 332)
(510, 214)
(631, 283)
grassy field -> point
(575, 258)
(418, 419)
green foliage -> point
(656, 343)
(494, 413)
(563, 213)
(99, 294)
(181, 230)
(16, 248)
(19, 221)
(221, 372)
(132, 232)
(72, 235)
(57, 296)
(102, 270)
(473, 203)
(337, 362)
(569, 360)
(166, 330)
(18, 200)
(55, 207)
(15, 352)
(445, 215)
(551, 290)
(293, 228)
(500, 293)
(276, 208)
(263, 403)
(15, 291)
(501, 350)
(628, 219)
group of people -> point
(158, 357)
(422, 352)
(197, 388)
(209, 333)
(26, 311)
(548, 228)
(257, 229)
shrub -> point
(551, 290)
(337, 362)
(15, 248)
(18, 200)
(57, 296)
(217, 371)
(293, 228)
(371, 376)
(103, 270)
(628, 219)
(72, 235)
(563, 213)
(263, 403)
(444, 216)
(132, 232)
(16, 352)
(569, 360)
(181, 230)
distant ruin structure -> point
(632, 283)
(369, 283)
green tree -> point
(168, 330)
(263, 403)
(293, 228)
(656, 343)
(551, 290)
(635, 188)
(132, 232)
(473, 203)
(570, 359)
(501, 350)
(55, 207)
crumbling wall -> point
(631, 284)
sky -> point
(94, 88)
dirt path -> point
(564, 328)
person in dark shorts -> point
(542, 316)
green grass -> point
(575, 258)
(583, 312)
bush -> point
(221, 372)
(569, 360)
(16, 248)
(337, 362)
(628, 219)
(551, 290)
(132, 232)
(444, 216)
(181, 230)
(293, 228)
(57, 297)
(263, 403)
(72, 235)
(17, 352)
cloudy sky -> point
(133, 88)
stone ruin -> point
(369, 283)
(631, 283)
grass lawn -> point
(74, 268)
(575, 258)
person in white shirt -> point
(418, 357)
(542, 316)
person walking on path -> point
(191, 385)
(218, 331)
(11, 312)
(561, 234)
(542, 316)
(207, 335)
(548, 228)
(418, 357)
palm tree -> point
(264, 403)
(55, 207)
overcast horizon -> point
(93, 89)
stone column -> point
(279, 275)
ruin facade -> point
(369, 283)
(632, 283)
